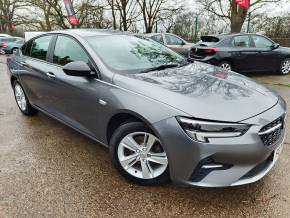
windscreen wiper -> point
(160, 67)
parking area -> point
(50, 170)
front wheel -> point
(285, 67)
(226, 65)
(139, 155)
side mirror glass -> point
(77, 68)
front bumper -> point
(244, 159)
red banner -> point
(243, 3)
(72, 19)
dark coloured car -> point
(161, 117)
(172, 41)
(242, 53)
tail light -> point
(3, 45)
(211, 50)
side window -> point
(158, 38)
(26, 48)
(241, 41)
(68, 50)
(224, 43)
(39, 47)
(261, 42)
(172, 40)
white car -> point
(4, 35)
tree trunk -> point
(236, 24)
(238, 17)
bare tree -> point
(128, 12)
(8, 10)
(229, 10)
(156, 10)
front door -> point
(267, 59)
(176, 44)
(244, 54)
(74, 99)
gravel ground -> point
(49, 170)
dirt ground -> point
(49, 170)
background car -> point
(172, 41)
(242, 53)
(4, 35)
(9, 45)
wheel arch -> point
(13, 78)
(122, 117)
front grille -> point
(272, 132)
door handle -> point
(23, 63)
(50, 75)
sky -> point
(276, 9)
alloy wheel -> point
(142, 155)
(226, 66)
(285, 67)
(20, 97)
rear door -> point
(243, 54)
(33, 64)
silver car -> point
(161, 117)
(172, 41)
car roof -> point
(226, 35)
(92, 32)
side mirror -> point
(77, 68)
(275, 46)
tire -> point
(285, 67)
(22, 100)
(14, 50)
(154, 173)
(226, 65)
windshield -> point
(130, 54)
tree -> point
(156, 10)
(8, 9)
(128, 12)
(229, 10)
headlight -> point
(201, 131)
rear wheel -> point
(139, 155)
(285, 67)
(14, 50)
(22, 100)
(226, 65)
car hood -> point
(202, 91)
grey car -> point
(161, 117)
(172, 41)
